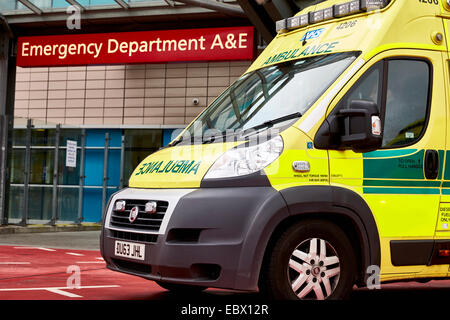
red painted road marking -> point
(59, 290)
(38, 248)
(43, 275)
(75, 254)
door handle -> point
(431, 164)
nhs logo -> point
(312, 34)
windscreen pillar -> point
(7, 91)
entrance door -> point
(401, 182)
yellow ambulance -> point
(323, 167)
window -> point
(400, 88)
(367, 88)
(270, 93)
(406, 102)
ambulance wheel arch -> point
(346, 211)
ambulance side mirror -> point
(357, 128)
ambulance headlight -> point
(244, 160)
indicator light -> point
(444, 253)
(301, 166)
(120, 206)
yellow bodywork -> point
(402, 29)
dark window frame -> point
(385, 90)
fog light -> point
(120, 206)
(150, 207)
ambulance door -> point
(401, 181)
(441, 253)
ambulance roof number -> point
(336, 11)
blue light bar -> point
(328, 13)
(369, 5)
(336, 11)
(355, 6)
(297, 22)
(315, 16)
(280, 25)
(341, 10)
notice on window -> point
(444, 217)
(71, 154)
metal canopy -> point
(37, 17)
(28, 17)
(14, 8)
(31, 6)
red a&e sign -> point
(215, 44)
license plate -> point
(129, 250)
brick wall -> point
(153, 94)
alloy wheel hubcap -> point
(314, 269)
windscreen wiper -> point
(175, 142)
(271, 123)
(179, 140)
(223, 136)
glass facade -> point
(44, 189)
(12, 5)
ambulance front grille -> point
(139, 237)
(144, 221)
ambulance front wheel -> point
(180, 288)
(311, 260)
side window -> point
(367, 88)
(406, 102)
(400, 88)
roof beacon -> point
(320, 15)
(369, 5)
(297, 22)
(280, 25)
(336, 11)
(346, 9)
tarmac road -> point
(43, 266)
(81, 240)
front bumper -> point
(214, 237)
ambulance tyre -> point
(180, 288)
(311, 260)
